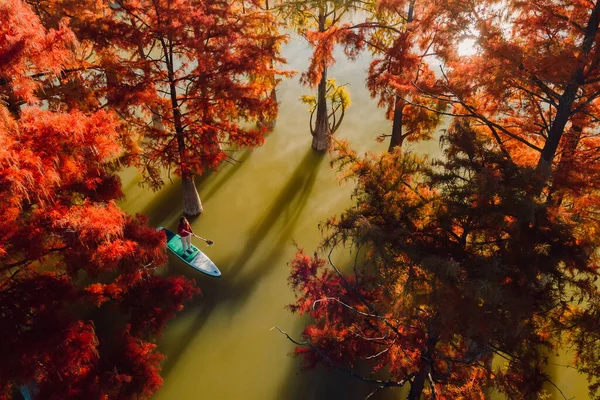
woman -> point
(185, 231)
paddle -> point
(208, 242)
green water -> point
(222, 345)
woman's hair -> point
(182, 221)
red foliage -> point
(155, 301)
(26, 48)
(532, 84)
(70, 259)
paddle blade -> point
(209, 242)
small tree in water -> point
(316, 19)
(339, 101)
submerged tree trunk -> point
(320, 140)
(191, 199)
(397, 138)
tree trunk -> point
(191, 199)
(13, 105)
(268, 122)
(418, 383)
(563, 112)
(397, 138)
(565, 165)
(273, 122)
(320, 140)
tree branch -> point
(327, 361)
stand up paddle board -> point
(197, 259)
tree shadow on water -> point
(228, 291)
(323, 383)
(222, 176)
(163, 209)
(284, 211)
(281, 219)
(131, 182)
(199, 310)
(166, 205)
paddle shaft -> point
(209, 242)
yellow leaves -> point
(311, 101)
(337, 100)
(542, 249)
(338, 94)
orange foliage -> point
(457, 264)
(26, 48)
(68, 255)
(188, 76)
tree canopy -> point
(190, 78)
(471, 269)
(80, 300)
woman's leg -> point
(188, 240)
(185, 242)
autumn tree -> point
(190, 78)
(447, 276)
(316, 19)
(338, 100)
(190, 75)
(80, 302)
(490, 253)
(401, 38)
(534, 92)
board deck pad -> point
(177, 247)
(197, 259)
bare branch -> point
(378, 354)
(374, 392)
(432, 384)
(485, 120)
(348, 306)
